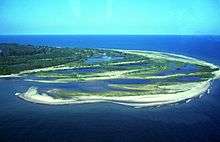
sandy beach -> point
(196, 89)
(32, 95)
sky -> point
(177, 17)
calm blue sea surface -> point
(196, 121)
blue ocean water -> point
(196, 121)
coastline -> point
(197, 89)
(33, 96)
(182, 58)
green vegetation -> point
(15, 58)
(111, 75)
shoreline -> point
(197, 89)
(33, 96)
(183, 58)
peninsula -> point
(128, 77)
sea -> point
(197, 120)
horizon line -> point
(109, 34)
